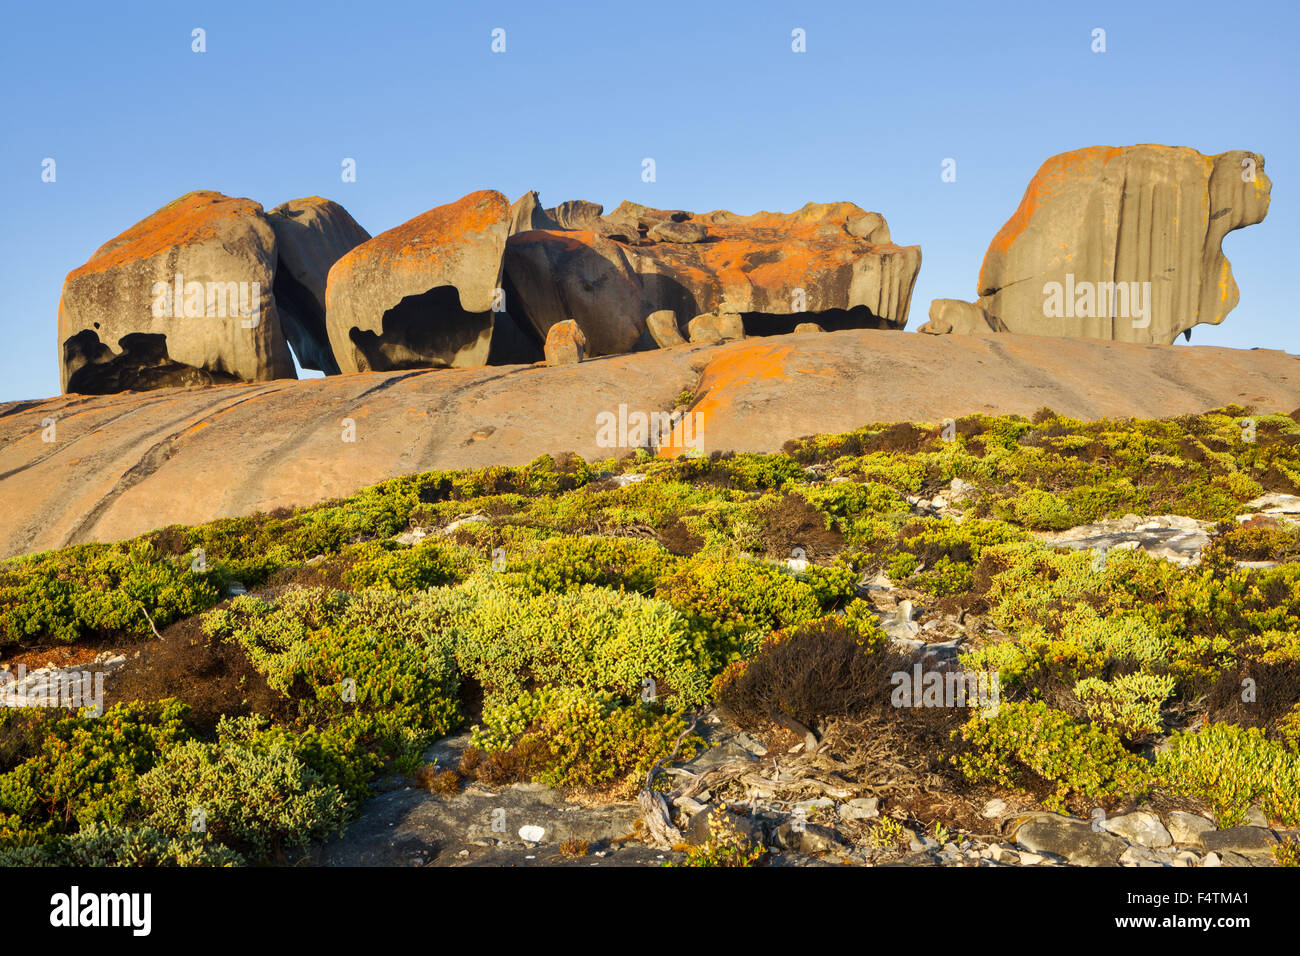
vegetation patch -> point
(576, 615)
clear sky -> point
(712, 91)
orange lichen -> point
(425, 241)
(193, 218)
(732, 367)
(1051, 177)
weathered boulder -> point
(807, 838)
(772, 267)
(663, 328)
(565, 344)
(183, 297)
(1141, 827)
(803, 327)
(870, 226)
(553, 276)
(421, 295)
(310, 236)
(954, 315)
(704, 334)
(1073, 839)
(834, 262)
(526, 213)
(638, 220)
(1245, 839)
(725, 327)
(1187, 828)
(677, 232)
(1122, 243)
(574, 214)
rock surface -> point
(1173, 537)
(527, 824)
(421, 295)
(711, 327)
(1149, 214)
(954, 315)
(1070, 839)
(526, 214)
(310, 236)
(555, 276)
(610, 272)
(121, 465)
(123, 325)
(662, 326)
(1142, 827)
(565, 344)
(1187, 828)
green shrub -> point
(570, 737)
(86, 769)
(1030, 746)
(1232, 767)
(100, 845)
(592, 637)
(388, 566)
(1128, 704)
(725, 847)
(263, 799)
(93, 590)
(564, 564)
(734, 604)
(341, 655)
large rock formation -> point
(553, 276)
(474, 282)
(208, 289)
(1117, 243)
(526, 213)
(421, 295)
(124, 464)
(183, 297)
(832, 262)
(310, 236)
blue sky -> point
(584, 91)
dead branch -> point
(145, 611)
(654, 808)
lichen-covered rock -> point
(677, 232)
(421, 295)
(565, 344)
(775, 266)
(1123, 243)
(310, 236)
(183, 297)
(834, 262)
